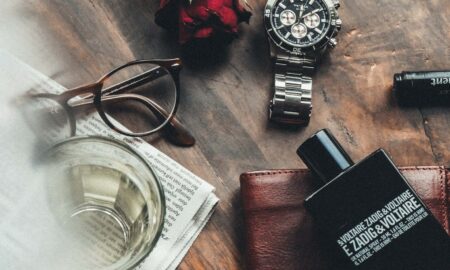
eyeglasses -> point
(136, 99)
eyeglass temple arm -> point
(136, 81)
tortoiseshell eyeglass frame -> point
(94, 94)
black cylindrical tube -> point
(423, 88)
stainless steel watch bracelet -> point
(291, 103)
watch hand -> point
(311, 13)
(302, 9)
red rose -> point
(201, 18)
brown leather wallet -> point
(281, 234)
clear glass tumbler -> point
(107, 200)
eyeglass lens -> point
(139, 97)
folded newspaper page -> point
(190, 200)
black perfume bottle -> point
(371, 214)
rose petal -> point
(229, 18)
(204, 32)
(185, 17)
(215, 5)
(228, 3)
(198, 9)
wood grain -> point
(224, 99)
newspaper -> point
(190, 200)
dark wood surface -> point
(224, 100)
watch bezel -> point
(278, 41)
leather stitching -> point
(442, 186)
(305, 171)
(447, 199)
(430, 168)
(275, 172)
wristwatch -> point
(299, 33)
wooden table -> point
(224, 100)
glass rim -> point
(133, 263)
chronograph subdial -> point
(288, 17)
(299, 30)
(312, 21)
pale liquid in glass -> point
(104, 215)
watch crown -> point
(336, 4)
(332, 43)
(338, 24)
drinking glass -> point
(107, 200)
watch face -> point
(300, 23)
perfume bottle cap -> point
(323, 155)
